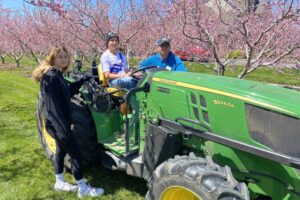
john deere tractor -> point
(191, 136)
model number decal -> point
(223, 103)
(170, 82)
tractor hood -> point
(268, 96)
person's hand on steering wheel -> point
(138, 74)
(134, 74)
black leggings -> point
(70, 147)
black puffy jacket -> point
(56, 93)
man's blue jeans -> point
(124, 82)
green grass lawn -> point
(25, 173)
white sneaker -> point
(65, 187)
(90, 191)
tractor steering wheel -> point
(140, 70)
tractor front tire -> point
(194, 178)
(83, 130)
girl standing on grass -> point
(56, 93)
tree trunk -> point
(18, 63)
(36, 59)
(247, 70)
(17, 58)
(128, 52)
(2, 60)
(243, 74)
(220, 69)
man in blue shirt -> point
(165, 58)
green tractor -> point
(191, 136)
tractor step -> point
(116, 143)
(132, 164)
(135, 167)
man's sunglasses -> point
(165, 45)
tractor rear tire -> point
(82, 127)
(194, 178)
(84, 130)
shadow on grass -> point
(25, 107)
(14, 165)
(53, 196)
(16, 126)
(18, 117)
(112, 181)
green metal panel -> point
(107, 124)
(267, 96)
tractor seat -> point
(104, 83)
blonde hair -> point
(48, 62)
